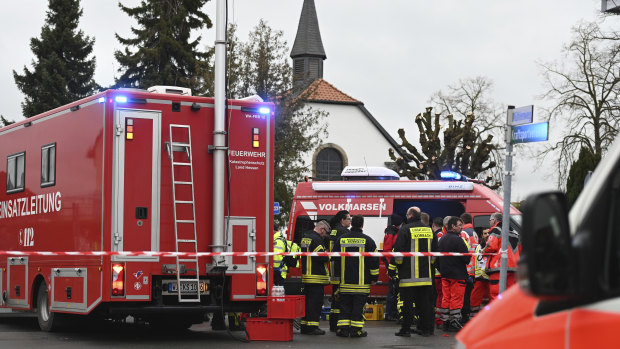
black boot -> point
(342, 331)
(357, 333)
(333, 322)
(404, 332)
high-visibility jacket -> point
(473, 243)
(337, 231)
(494, 245)
(279, 246)
(314, 269)
(356, 273)
(293, 247)
(413, 271)
(480, 263)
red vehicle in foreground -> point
(132, 170)
(569, 272)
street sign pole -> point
(503, 271)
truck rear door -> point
(136, 180)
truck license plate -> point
(187, 287)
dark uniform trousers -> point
(334, 308)
(352, 310)
(422, 297)
(314, 303)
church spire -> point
(308, 53)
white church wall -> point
(355, 134)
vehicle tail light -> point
(118, 279)
(255, 138)
(261, 280)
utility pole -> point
(219, 133)
(503, 271)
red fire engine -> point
(132, 170)
(377, 193)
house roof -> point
(308, 40)
(321, 91)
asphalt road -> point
(22, 331)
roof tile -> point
(322, 91)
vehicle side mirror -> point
(546, 269)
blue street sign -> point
(530, 133)
(276, 208)
(523, 115)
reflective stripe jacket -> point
(413, 271)
(313, 269)
(356, 273)
(337, 231)
(293, 247)
(473, 243)
(279, 245)
(494, 244)
(480, 263)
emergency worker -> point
(453, 275)
(281, 264)
(356, 274)
(493, 245)
(415, 273)
(425, 218)
(279, 268)
(391, 312)
(340, 224)
(468, 228)
(315, 275)
(481, 285)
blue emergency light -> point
(264, 110)
(450, 175)
(101, 99)
(120, 99)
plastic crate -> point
(325, 313)
(263, 329)
(287, 307)
(373, 312)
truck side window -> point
(481, 223)
(302, 224)
(15, 172)
(48, 165)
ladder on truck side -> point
(186, 242)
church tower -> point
(308, 53)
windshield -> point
(518, 219)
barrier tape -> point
(242, 254)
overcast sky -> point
(391, 55)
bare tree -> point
(584, 94)
(472, 96)
(463, 149)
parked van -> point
(568, 294)
(377, 193)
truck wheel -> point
(47, 319)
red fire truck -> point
(132, 170)
(377, 193)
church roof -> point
(308, 40)
(322, 91)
